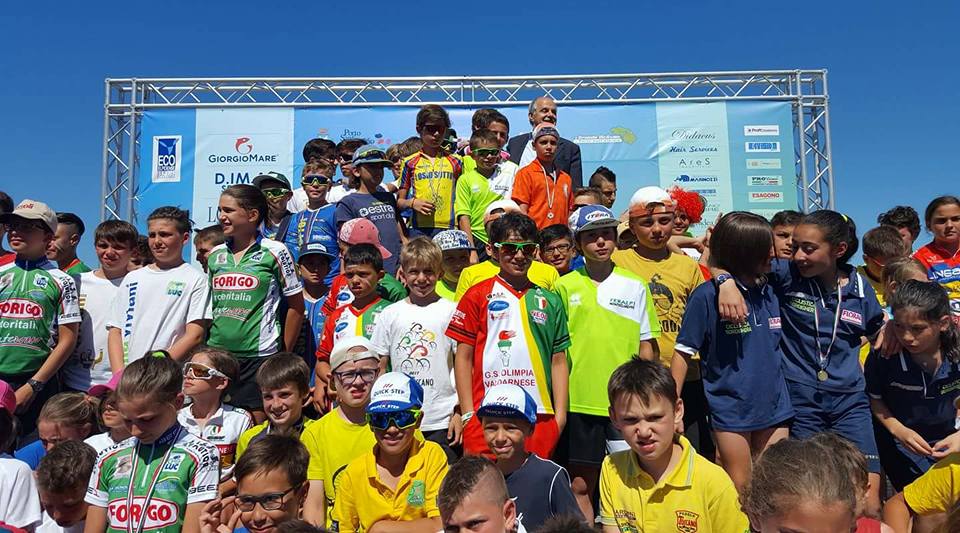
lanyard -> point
(825, 355)
(546, 185)
(153, 482)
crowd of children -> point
(476, 346)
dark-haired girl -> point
(826, 311)
(941, 257)
(249, 276)
(912, 394)
(740, 362)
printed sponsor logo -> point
(694, 162)
(167, 155)
(6, 280)
(173, 462)
(175, 288)
(618, 134)
(802, 304)
(539, 317)
(596, 215)
(774, 322)
(765, 146)
(221, 259)
(754, 164)
(625, 304)
(766, 196)
(497, 305)
(340, 327)
(686, 178)
(40, 283)
(243, 152)
(158, 514)
(759, 130)
(851, 317)
(692, 134)
(20, 308)
(235, 282)
(243, 146)
(769, 180)
(687, 521)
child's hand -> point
(423, 207)
(913, 441)
(887, 343)
(731, 305)
(455, 430)
(321, 401)
(211, 521)
(947, 446)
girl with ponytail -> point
(912, 394)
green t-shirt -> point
(35, 297)
(616, 314)
(246, 297)
(76, 267)
(189, 472)
(445, 291)
(473, 197)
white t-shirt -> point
(338, 192)
(90, 364)
(413, 338)
(298, 202)
(19, 500)
(223, 430)
(529, 155)
(100, 441)
(152, 307)
(50, 525)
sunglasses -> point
(315, 181)
(485, 152)
(201, 371)
(512, 248)
(269, 502)
(345, 158)
(275, 193)
(401, 419)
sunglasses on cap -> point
(528, 248)
(201, 371)
(402, 419)
(275, 192)
(314, 180)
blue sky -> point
(892, 69)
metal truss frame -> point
(126, 100)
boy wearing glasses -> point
(38, 300)
(489, 181)
(271, 488)
(316, 223)
(398, 480)
(206, 375)
(373, 204)
(509, 330)
(276, 188)
(428, 178)
(557, 249)
(341, 435)
(284, 383)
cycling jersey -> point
(432, 179)
(223, 430)
(147, 487)
(349, 321)
(945, 270)
(246, 296)
(35, 298)
(388, 288)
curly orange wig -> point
(689, 202)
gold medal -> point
(550, 216)
(822, 375)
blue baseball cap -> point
(370, 154)
(316, 247)
(395, 391)
(508, 401)
(452, 239)
(591, 217)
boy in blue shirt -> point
(315, 261)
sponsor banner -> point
(766, 180)
(167, 154)
(765, 146)
(760, 164)
(766, 196)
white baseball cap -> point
(342, 351)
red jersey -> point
(945, 270)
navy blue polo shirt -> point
(800, 298)
(541, 489)
(741, 364)
(920, 401)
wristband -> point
(465, 417)
(722, 278)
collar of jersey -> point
(682, 474)
(256, 243)
(169, 436)
(30, 264)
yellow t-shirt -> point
(697, 496)
(445, 291)
(244, 441)
(364, 500)
(671, 282)
(332, 443)
(432, 179)
(937, 490)
(540, 274)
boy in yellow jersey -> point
(457, 251)
(398, 479)
(341, 435)
(284, 382)
(660, 483)
(671, 279)
(540, 273)
(428, 178)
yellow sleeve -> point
(607, 478)
(435, 472)
(936, 490)
(463, 284)
(724, 507)
(344, 516)
(245, 439)
(697, 276)
(310, 442)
